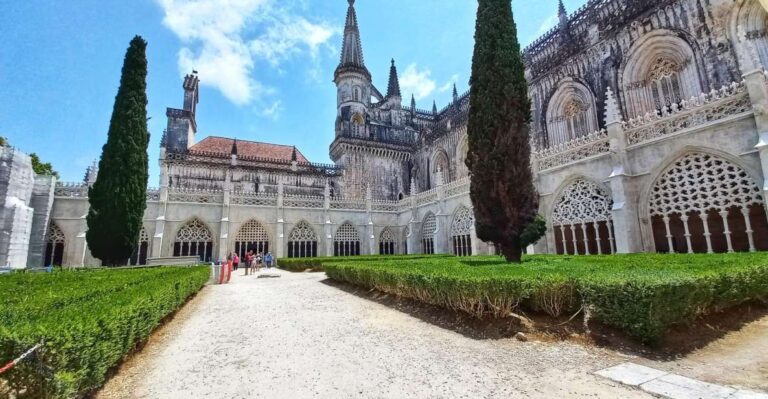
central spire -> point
(352, 49)
(393, 89)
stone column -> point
(328, 225)
(224, 225)
(279, 252)
(755, 81)
(162, 207)
(414, 244)
(442, 234)
(370, 231)
(625, 216)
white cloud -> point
(273, 111)
(417, 82)
(225, 39)
(449, 84)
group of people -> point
(253, 262)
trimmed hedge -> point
(642, 294)
(316, 264)
(88, 320)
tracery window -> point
(440, 169)
(387, 242)
(571, 113)
(139, 256)
(461, 232)
(302, 242)
(428, 230)
(252, 237)
(704, 203)
(664, 83)
(582, 220)
(194, 239)
(54, 246)
(660, 71)
(346, 242)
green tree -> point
(533, 232)
(118, 197)
(502, 191)
(42, 168)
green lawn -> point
(641, 294)
(88, 320)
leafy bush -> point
(88, 320)
(641, 294)
(316, 264)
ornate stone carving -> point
(194, 231)
(700, 182)
(582, 202)
(463, 222)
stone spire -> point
(352, 49)
(455, 93)
(234, 148)
(562, 15)
(434, 107)
(413, 105)
(612, 113)
(294, 158)
(393, 89)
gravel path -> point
(296, 337)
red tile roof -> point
(251, 149)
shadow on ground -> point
(680, 340)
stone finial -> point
(612, 113)
(455, 93)
(434, 107)
(413, 186)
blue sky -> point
(265, 65)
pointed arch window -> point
(54, 246)
(194, 239)
(704, 203)
(582, 220)
(461, 232)
(428, 232)
(664, 82)
(141, 253)
(302, 242)
(571, 113)
(387, 242)
(251, 237)
(346, 241)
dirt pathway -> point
(296, 337)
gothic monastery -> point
(650, 134)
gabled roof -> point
(248, 149)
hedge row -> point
(641, 294)
(88, 320)
(316, 264)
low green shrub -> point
(316, 264)
(641, 294)
(88, 320)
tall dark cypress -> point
(504, 197)
(118, 198)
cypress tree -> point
(118, 197)
(502, 191)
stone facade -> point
(650, 126)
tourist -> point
(268, 260)
(251, 262)
(235, 261)
(258, 261)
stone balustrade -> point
(580, 148)
(697, 111)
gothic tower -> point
(373, 137)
